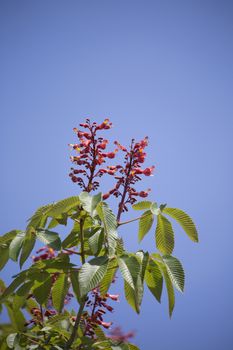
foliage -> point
(37, 297)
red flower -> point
(106, 324)
(148, 171)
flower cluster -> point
(90, 155)
(130, 173)
(99, 307)
(38, 315)
(47, 253)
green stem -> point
(82, 252)
(127, 222)
(82, 305)
(76, 325)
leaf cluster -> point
(100, 253)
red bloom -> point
(106, 324)
(148, 171)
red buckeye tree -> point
(83, 265)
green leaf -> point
(164, 235)
(18, 301)
(130, 269)
(73, 237)
(9, 290)
(110, 225)
(96, 241)
(28, 245)
(11, 340)
(50, 238)
(39, 217)
(89, 202)
(16, 317)
(25, 288)
(75, 284)
(16, 245)
(154, 279)
(168, 282)
(58, 318)
(175, 271)
(108, 277)
(120, 247)
(143, 259)
(59, 291)
(184, 220)
(145, 223)
(169, 286)
(42, 290)
(4, 256)
(64, 206)
(91, 273)
(132, 347)
(7, 238)
(154, 209)
(53, 223)
(134, 296)
(142, 205)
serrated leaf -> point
(108, 277)
(142, 205)
(110, 225)
(63, 206)
(15, 246)
(175, 271)
(28, 245)
(75, 284)
(4, 256)
(130, 269)
(169, 286)
(96, 241)
(100, 333)
(145, 223)
(39, 216)
(25, 288)
(42, 291)
(120, 247)
(18, 301)
(89, 202)
(134, 296)
(91, 273)
(10, 289)
(7, 237)
(73, 237)
(154, 279)
(58, 318)
(50, 238)
(154, 209)
(164, 235)
(143, 258)
(59, 291)
(16, 317)
(184, 220)
(53, 223)
(11, 340)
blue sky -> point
(157, 68)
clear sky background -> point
(157, 68)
